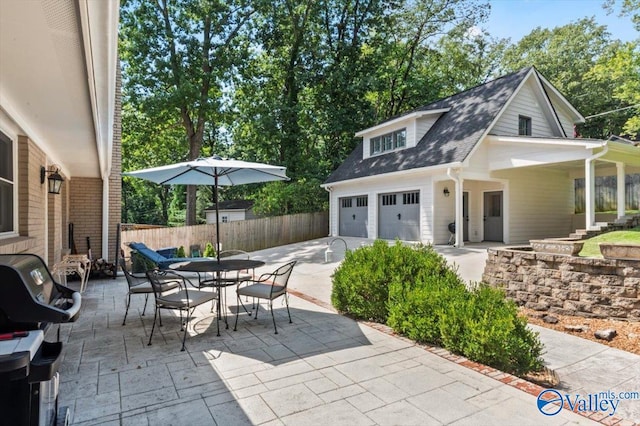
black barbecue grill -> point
(30, 301)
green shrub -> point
(209, 251)
(180, 252)
(416, 311)
(414, 291)
(362, 283)
(485, 327)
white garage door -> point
(354, 216)
(399, 216)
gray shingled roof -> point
(449, 140)
(233, 205)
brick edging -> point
(506, 378)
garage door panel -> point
(354, 216)
(399, 216)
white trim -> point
(394, 121)
(586, 143)
(549, 104)
(364, 179)
(13, 139)
(558, 94)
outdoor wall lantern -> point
(446, 191)
(54, 180)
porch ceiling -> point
(57, 78)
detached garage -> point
(399, 216)
(354, 214)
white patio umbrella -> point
(214, 171)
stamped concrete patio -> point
(321, 369)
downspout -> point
(590, 188)
(458, 202)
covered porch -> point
(529, 189)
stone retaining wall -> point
(567, 285)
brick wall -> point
(31, 195)
(569, 285)
(115, 179)
(85, 212)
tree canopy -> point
(290, 82)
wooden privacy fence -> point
(606, 193)
(247, 235)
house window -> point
(7, 181)
(411, 198)
(524, 125)
(346, 203)
(225, 219)
(389, 141)
(362, 201)
(389, 200)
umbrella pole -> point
(215, 197)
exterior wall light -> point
(54, 183)
(446, 191)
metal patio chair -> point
(182, 298)
(268, 286)
(139, 284)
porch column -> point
(589, 196)
(459, 217)
(620, 187)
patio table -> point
(217, 267)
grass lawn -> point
(628, 236)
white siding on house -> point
(479, 160)
(530, 103)
(540, 203)
(565, 120)
(423, 124)
(445, 208)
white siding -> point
(479, 160)
(540, 203)
(527, 102)
(565, 120)
(423, 124)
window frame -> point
(13, 182)
(388, 142)
(527, 128)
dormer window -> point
(524, 125)
(389, 141)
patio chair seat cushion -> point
(183, 298)
(145, 287)
(262, 291)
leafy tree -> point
(176, 55)
(146, 143)
(628, 8)
(566, 55)
(620, 70)
(404, 80)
